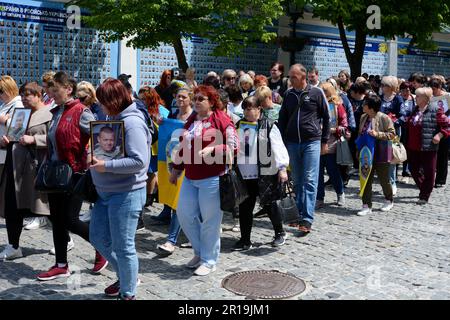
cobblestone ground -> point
(403, 254)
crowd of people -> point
(273, 131)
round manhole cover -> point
(264, 284)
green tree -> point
(231, 25)
(415, 19)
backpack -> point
(152, 126)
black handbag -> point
(287, 206)
(232, 190)
(343, 153)
(54, 177)
(85, 188)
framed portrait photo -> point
(19, 124)
(107, 140)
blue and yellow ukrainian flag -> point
(366, 146)
(168, 139)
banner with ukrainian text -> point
(168, 139)
(366, 145)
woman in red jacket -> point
(209, 135)
(68, 139)
(426, 126)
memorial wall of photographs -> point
(27, 50)
(408, 64)
(19, 50)
(80, 52)
(151, 63)
(330, 60)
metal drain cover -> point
(264, 284)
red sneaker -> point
(54, 273)
(100, 263)
(113, 290)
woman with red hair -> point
(154, 103)
(163, 88)
(120, 184)
(209, 135)
(157, 111)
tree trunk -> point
(354, 58)
(358, 54)
(181, 57)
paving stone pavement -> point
(402, 254)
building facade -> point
(35, 36)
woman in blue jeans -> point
(184, 111)
(209, 135)
(338, 129)
(121, 186)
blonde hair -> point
(190, 73)
(391, 82)
(9, 86)
(328, 87)
(48, 78)
(425, 91)
(360, 80)
(89, 90)
(262, 93)
(333, 83)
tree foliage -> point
(231, 24)
(414, 19)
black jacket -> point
(268, 189)
(311, 122)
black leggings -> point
(442, 162)
(246, 212)
(64, 215)
(13, 216)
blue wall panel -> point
(34, 38)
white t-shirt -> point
(247, 157)
(248, 151)
(236, 109)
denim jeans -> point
(112, 232)
(393, 174)
(200, 217)
(174, 229)
(305, 165)
(165, 214)
(329, 161)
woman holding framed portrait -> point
(10, 100)
(121, 187)
(17, 184)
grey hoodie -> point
(129, 173)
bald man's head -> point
(297, 76)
